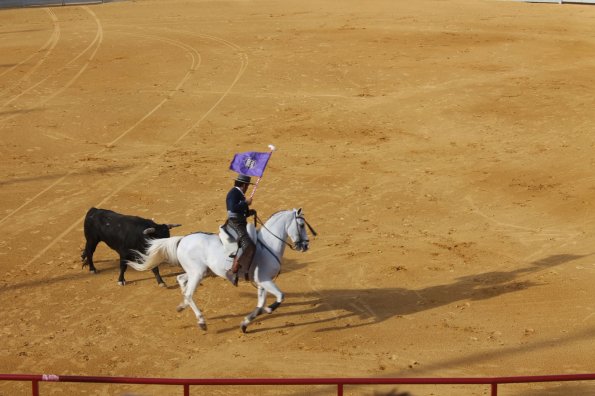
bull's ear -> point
(170, 226)
(149, 231)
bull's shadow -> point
(351, 308)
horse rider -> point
(238, 210)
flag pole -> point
(272, 148)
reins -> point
(257, 219)
(310, 227)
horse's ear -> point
(299, 212)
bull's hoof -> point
(94, 271)
(122, 283)
(180, 308)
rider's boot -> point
(232, 273)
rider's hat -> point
(244, 179)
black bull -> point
(122, 233)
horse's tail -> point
(162, 250)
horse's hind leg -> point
(262, 295)
(182, 281)
(191, 286)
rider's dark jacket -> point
(237, 207)
(237, 211)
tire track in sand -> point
(50, 44)
(150, 164)
(195, 64)
(97, 41)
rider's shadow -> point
(349, 308)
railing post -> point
(494, 389)
(186, 390)
(339, 389)
(35, 388)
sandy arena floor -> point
(442, 149)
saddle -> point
(229, 239)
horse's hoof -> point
(180, 308)
(268, 310)
(94, 272)
(121, 283)
(162, 284)
(203, 326)
(272, 307)
(243, 327)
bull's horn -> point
(170, 226)
(149, 231)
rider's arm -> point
(236, 202)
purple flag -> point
(250, 163)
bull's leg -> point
(87, 255)
(123, 266)
(160, 281)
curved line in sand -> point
(50, 44)
(157, 157)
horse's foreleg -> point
(262, 295)
(272, 288)
(191, 285)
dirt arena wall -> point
(49, 3)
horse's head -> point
(297, 231)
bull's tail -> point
(163, 250)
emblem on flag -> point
(250, 163)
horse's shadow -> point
(175, 270)
(350, 308)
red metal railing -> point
(340, 382)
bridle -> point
(300, 241)
(292, 247)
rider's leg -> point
(232, 274)
(247, 257)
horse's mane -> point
(275, 214)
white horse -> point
(199, 251)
